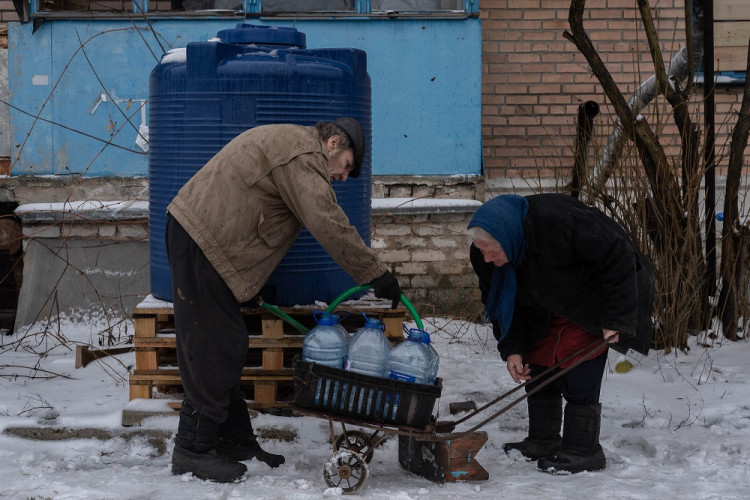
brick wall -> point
(533, 80)
(7, 13)
(428, 251)
(426, 245)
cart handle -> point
(338, 300)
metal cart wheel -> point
(347, 470)
(357, 441)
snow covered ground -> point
(675, 426)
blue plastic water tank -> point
(203, 96)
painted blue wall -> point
(426, 90)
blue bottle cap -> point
(373, 323)
(324, 318)
(418, 335)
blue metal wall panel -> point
(426, 90)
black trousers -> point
(581, 385)
(211, 333)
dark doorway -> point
(11, 265)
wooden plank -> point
(150, 311)
(146, 359)
(265, 392)
(467, 446)
(291, 311)
(273, 359)
(172, 377)
(145, 326)
(730, 59)
(177, 405)
(732, 34)
(394, 328)
(273, 328)
(731, 10)
(254, 342)
(461, 470)
(260, 406)
(142, 391)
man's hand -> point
(386, 286)
(610, 336)
(516, 368)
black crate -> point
(363, 397)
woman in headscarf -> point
(556, 275)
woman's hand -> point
(518, 371)
(611, 336)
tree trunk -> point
(730, 233)
(680, 69)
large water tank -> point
(203, 96)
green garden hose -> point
(338, 300)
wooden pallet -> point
(272, 345)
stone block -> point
(423, 281)
(392, 230)
(428, 256)
(409, 242)
(430, 230)
(107, 230)
(130, 232)
(378, 243)
(41, 231)
(423, 191)
(395, 256)
(81, 231)
(443, 242)
(454, 267)
(399, 191)
(410, 268)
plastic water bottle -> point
(412, 360)
(338, 318)
(324, 345)
(368, 355)
(369, 349)
(435, 356)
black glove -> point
(386, 286)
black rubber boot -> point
(237, 439)
(545, 419)
(195, 450)
(580, 449)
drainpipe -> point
(709, 110)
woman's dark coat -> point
(580, 265)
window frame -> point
(251, 9)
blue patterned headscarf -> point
(502, 217)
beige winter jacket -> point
(245, 207)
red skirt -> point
(563, 339)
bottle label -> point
(402, 377)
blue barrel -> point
(203, 96)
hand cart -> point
(391, 407)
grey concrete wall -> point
(82, 277)
(90, 262)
